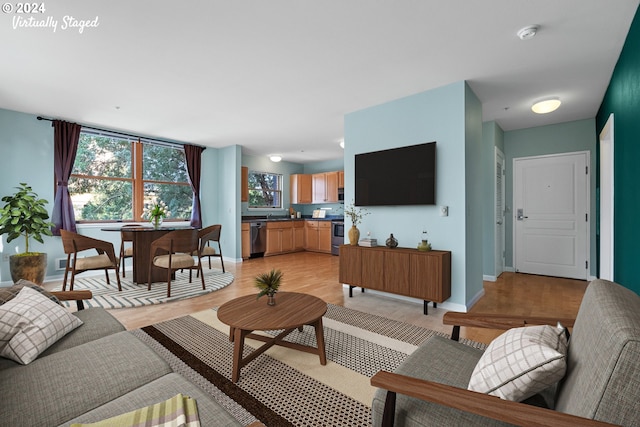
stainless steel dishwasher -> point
(258, 238)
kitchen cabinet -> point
(244, 184)
(246, 240)
(298, 235)
(402, 271)
(300, 188)
(325, 187)
(340, 179)
(279, 237)
(318, 236)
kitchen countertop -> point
(282, 218)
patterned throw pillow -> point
(30, 323)
(7, 294)
(521, 362)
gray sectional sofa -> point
(95, 372)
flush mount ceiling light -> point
(528, 32)
(546, 105)
(342, 143)
(275, 158)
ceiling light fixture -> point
(342, 143)
(275, 158)
(528, 32)
(545, 106)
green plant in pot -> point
(268, 284)
(24, 214)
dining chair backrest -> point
(185, 241)
(210, 233)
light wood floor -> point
(317, 274)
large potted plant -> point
(24, 215)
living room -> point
(450, 113)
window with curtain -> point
(265, 190)
(114, 178)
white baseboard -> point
(475, 299)
(488, 278)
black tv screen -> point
(398, 176)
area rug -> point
(134, 295)
(284, 387)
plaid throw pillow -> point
(521, 363)
(7, 294)
(30, 323)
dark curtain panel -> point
(194, 165)
(65, 139)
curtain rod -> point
(126, 134)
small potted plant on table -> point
(268, 284)
(24, 215)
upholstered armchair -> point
(599, 386)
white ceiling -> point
(278, 76)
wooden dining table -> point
(142, 238)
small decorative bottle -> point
(392, 242)
(424, 244)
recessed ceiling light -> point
(546, 105)
(528, 32)
(275, 158)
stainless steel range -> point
(337, 236)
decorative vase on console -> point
(392, 242)
(354, 235)
(355, 215)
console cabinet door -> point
(431, 276)
(396, 272)
(350, 265)
(373, 269)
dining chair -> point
(175, 247)
(126, 252)
(206, 236)
(75, 243)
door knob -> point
(499, 222)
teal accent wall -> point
(492, 138)
(448, 115)
(566, 137)
(622, 98)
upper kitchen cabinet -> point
(325, 187)
(340, 179)
(300, 188)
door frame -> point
(587, 203)
(499, 245)
(607, 188)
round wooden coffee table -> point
(292, 310)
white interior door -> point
(551, 215)
(606, 201)
(499, 213)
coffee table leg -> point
(320, 341)
(238, 344)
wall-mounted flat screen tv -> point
(398, 176)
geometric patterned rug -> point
(134, 295)
(284, 387)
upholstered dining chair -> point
(126, 251)
(206, 236)
(74, 243)
(175, 248)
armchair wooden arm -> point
(498, 321)
(76, 296)
(470, 401)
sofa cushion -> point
(30, 323)
(209, 411)
(433, 361)
(521, 362)
(71, 382)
